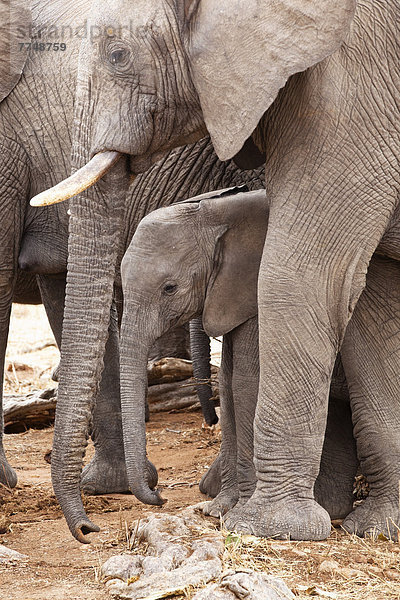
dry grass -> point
(343, 567)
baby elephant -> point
(202, 257)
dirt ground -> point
(59, 568)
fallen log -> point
(171, 387)
(34, 410)
(176, 395)
(167, 370)
(169, 396)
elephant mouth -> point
(139, 164)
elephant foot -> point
(8, 476)
(290, 519)
(374, 517)
(106, 476)
(225, 501)
(210, 483)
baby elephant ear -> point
(242, 52)
(231, 297)
(15, 34)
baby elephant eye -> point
(170, 288)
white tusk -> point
(79, 181)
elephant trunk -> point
(201, 357)
(93, 246)
(134, 350)
(94, 234)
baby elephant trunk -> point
(135, 345)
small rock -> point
(329, 566)
(349, 573)
(152, 564)
(214, 592)
(375, 570)
(246, 586)
(116, 587)
(7, 555)
(205, 549)
(5, 524)
(391, 574)
(122, 566)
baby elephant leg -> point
(210, 483)
(245, 380)
(226, 461)
(371, 360)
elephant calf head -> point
(198, 257)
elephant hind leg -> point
(334, 485)
(106, 473)
(371, 359)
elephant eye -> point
(117, 57)
(170, 288)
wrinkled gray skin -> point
(36, 240)
(196, 277)
(34, 150)
(310, 82)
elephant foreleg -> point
(210, 483)
(371, 359)
(52, 291)
(13, 189)
(8, 476)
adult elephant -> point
(36, 114)
(315, 85)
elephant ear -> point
(242, 54)
(15, 27)
(240, 224)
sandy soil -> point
(59, 568)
